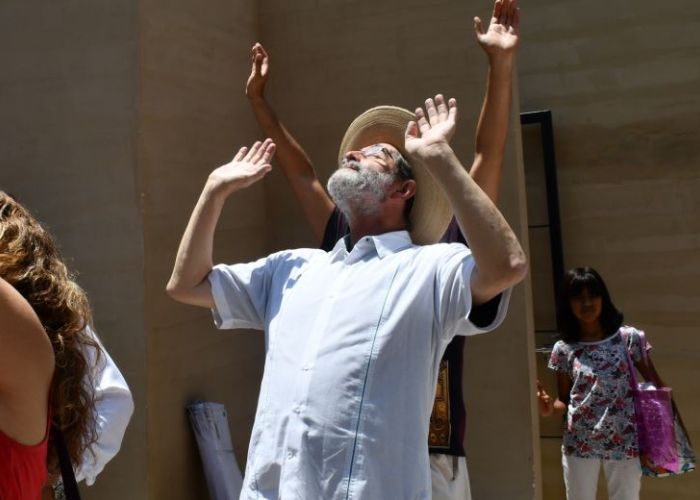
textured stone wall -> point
(193, 117)
(68, 98)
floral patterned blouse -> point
(600, 415)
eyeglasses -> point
(377, 151)
(402, 168)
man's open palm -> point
(247, 167)
(433, 127)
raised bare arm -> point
(500, 260)
(500, 42)
(188, 282)
(291, 157)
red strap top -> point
(23, 471)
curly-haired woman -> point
(31, 264)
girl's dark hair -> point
(577, 280)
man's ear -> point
(405, 190)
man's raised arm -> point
(188, 282)
(500, 260)
(292, 158)
(500, 43)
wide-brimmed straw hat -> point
(431, 212)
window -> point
(544, 229)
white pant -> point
(581, 478)
(450, 480)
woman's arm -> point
(26, 368)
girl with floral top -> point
(593, 383)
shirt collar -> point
(384, 244)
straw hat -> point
(431, 212)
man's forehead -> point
(381, 146)
(390, 147)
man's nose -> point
(353, 155)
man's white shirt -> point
(354, 342)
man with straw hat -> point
(355, 335)
(449, 475)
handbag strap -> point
(634, 385)
(70, 485)
(677, 415)
(643, 346)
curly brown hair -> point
(31, 263)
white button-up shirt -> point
(114, 406)
(354, 341)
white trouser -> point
(450, 480)
(581, 477)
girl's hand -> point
(544, 401)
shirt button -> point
(306, 368)
(291, 454)
(297, 409)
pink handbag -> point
(654, 418)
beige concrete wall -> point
(622, 86)
(500, 370)
(193, 117)
(333, 60)
(112, 117)
(68, 102)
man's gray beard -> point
(358, 192)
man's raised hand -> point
(504, 28)
(260, 65)
(433, 128)
(246, 168)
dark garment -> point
(336, 227)
(449, 416)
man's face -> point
(381, 157)
(364, 179)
